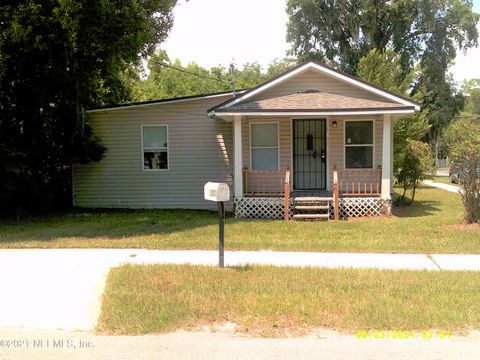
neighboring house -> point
(312, 128)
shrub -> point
(463, 141)
(414, 164)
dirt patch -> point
(462, 227)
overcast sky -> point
(213, 32)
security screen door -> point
(309, 154)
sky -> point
(217, 32)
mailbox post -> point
(219, 192)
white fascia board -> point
(313, 113)
(269, 85)
(364, 86)
(159, 103)
(327, 71)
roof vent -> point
(308, 91)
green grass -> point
(432, 225)
(273, 301)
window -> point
(264, 146)
(359, 144)
(155, 147)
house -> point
(311, 143)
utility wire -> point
(190, 72)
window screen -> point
(264, 146)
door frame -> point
(326, 119)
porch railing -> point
(359, 182)
(265, 182)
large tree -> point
(58, 57)
(426, 34)
(341, 32)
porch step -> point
(312, 199)
(312, 207)
(311, 216)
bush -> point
(414, 164)
(463, 141)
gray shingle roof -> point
(312, 100)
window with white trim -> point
(155, 147)
(264, 146)
(359, 144)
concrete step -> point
(311, 217)
(312, 207)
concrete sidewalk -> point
(62, 288)
(448, 187)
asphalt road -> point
(323, 344)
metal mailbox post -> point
(218, 192)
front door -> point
(309, 154)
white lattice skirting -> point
(260, 208)
(362, 206)
(273, 208)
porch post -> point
(386, 156)
(237, 163)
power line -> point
(190, 72)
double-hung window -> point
(359, 144)
(155, 147)
(264, 146)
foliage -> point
(441, 101)
(414, 165)
(57, 58)
(384, 69)
(170, 79)
(463, 139)
(426, 33)
(471, 91)
(342, 32)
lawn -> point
(432, 225)
(276, 301)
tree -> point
(342, 32)
(471, 91)
(463, 141)
(415, 165)
(427, 33)
(279, 66)
(167, 79)
(384, 69)
(58, 58)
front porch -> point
(268, 194)
(331, 132)
(312, 168)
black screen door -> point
(309, 154)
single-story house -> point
(308, 143)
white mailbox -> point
(216, 191)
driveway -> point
(62, 288)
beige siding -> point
(313, 80)
(200, 150)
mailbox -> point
(216, 192)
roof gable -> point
(315, 76)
